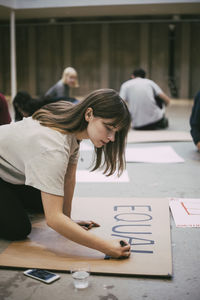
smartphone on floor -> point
(42, 275)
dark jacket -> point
(59, 90)
(195, 119)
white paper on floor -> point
(96, 176)
(86, 146)
(186, 212)
(164, 154)
(152, 136)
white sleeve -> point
(122, 92)
(156, 88)
(46, 172)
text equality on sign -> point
(133, 224)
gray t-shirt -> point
(58, 90)
(139, 93)
(36, 155)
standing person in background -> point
(195, 121)
(4, 112)
(62, 88)
(141, 93)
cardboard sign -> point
(151, 136)
(144, 223)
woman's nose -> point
(111, 136)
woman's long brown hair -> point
(106, 103)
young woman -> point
(38, 159)
(62, 88)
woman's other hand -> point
(87, 224)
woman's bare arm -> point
(53, 208)
(70, 180)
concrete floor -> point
(160, 180)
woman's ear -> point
(89, 114)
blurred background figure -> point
(146, 102)
(61, 90)
(24, 105)
(195, 121)
(4, 112)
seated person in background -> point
(24, 105)
(140, 93)
(62, 88)
(195, 121)
(4, 112)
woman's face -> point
(99, 131)
(70, 79)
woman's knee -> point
(22, 234)
(17, 232)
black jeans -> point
(15, 201)
(161, 124)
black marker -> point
(122, 243)
(88, 225)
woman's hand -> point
(116, 250)
(87, 224)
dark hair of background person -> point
(106, 104)
(25, 105)
(139, 73)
